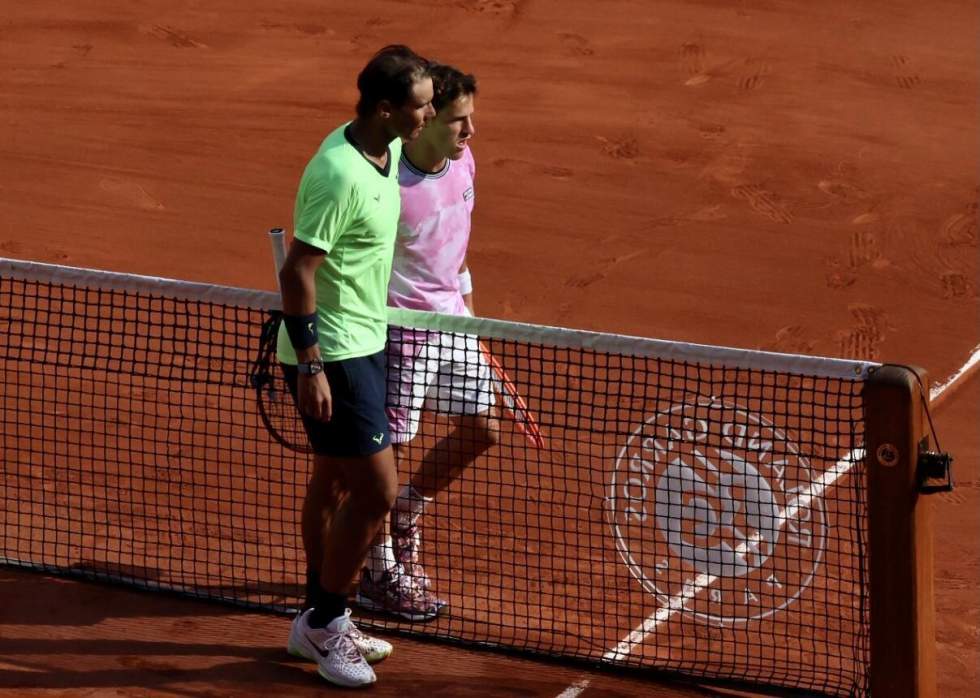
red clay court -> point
(763, 175)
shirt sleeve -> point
(323, 211)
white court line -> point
(575, 689)
(679, 601)
(967, 368)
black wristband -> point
(301, 330)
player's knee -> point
(388, 493)
(377, 497)
(488, 432)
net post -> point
(900, 536)
(277, 238)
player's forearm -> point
(298, 290)
(298, 284)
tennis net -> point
(686, 509)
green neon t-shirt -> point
(348, 207)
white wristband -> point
(465, 283)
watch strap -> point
(310, 368)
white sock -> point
(381, 559)
(410, 504)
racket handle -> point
(277, 237)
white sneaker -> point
(373, 649)
(338, 659)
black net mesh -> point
(677, 517)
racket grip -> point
(277, 238)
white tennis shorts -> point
(442, 372)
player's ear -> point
(384, 109)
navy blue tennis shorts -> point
(359, 425)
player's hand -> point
(314, 395)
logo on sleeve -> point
(468, 194)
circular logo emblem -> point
(716, 513)
(887, 455)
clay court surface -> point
(790, 176)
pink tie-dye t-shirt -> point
(433, 232)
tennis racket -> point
(276, 407)
(513, 402)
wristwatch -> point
(311, 368)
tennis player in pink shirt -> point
(431, 370)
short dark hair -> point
(389, 75)
(449, 84)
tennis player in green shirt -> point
(331, 345)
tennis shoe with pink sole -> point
(398, 594)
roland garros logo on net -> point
(705, 507)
